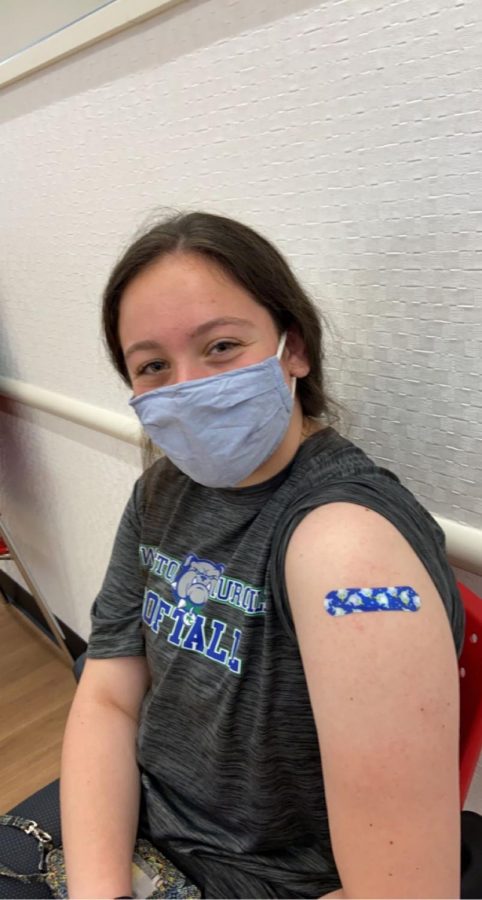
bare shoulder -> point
(382, 675)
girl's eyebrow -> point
(201, 329)
(224, 320)
(142, 345)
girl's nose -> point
(188, 371)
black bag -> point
(471, 856)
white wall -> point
(349, 133)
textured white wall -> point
(349, 132)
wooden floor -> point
(36, 690)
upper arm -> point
(384, 692)
(119, 681)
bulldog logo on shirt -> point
(195, 581)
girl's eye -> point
(152, 368)
(223, 347)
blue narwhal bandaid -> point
(345, 601)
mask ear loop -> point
(281, 345)
(279, 354)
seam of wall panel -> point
(94, 27)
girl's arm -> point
(384, 691)
(100, 784)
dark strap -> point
(45, 843)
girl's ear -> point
(296, 356)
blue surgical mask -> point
(219, 430)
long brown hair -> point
(250, 260)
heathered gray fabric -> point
(232, 786)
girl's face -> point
(183, 318)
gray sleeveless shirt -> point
(231, 775)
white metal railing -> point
(464, 543)
(77, 411)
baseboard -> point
(25, 603)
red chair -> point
(470, 668)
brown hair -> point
(251, 261)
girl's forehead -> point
(182, 275)
(180, 294)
